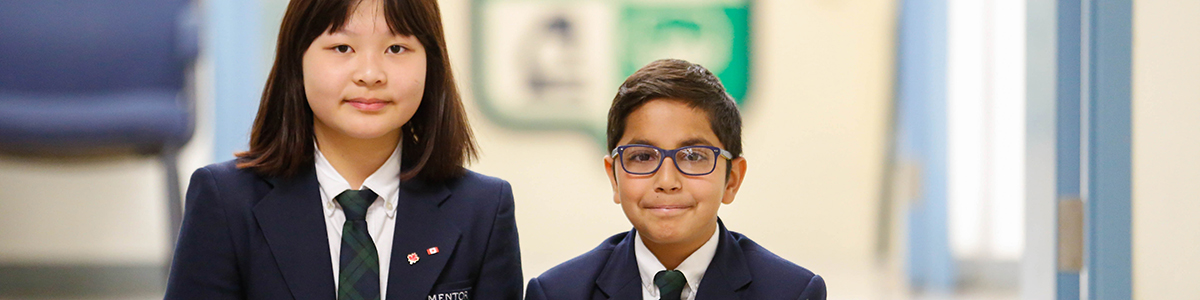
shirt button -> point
(389, 206)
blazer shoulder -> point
(770, 270)
(472, 180)
(224, 180)
(478, 192)
(228, 171)
(581, 271)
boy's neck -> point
(673, 254)
(356, 159)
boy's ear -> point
(737, 172)
(612, 177)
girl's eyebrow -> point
(343, 31)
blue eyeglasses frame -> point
(618, 152)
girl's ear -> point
(737, 172)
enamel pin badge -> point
(432, 251)
(412, 258)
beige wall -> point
(1166, 149)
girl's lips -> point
(368, 104)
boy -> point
(675, 136)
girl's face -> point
(363, 81)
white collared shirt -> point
(692, 267)
(381, 215)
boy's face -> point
(669, 207)
(363, 81)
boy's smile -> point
(672, 210)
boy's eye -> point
(395, 49)
(341, 48)
(640, 155)
(694, 155)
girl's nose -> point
(369, 72)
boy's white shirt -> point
(692, 267)
(381, 215)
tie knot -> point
(355, 202)
(670, 284)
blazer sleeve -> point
(534, 292)
(204, 265)
(815, 289)
(500, 276)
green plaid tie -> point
(670, 284)
(359, 275)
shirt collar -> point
(692, 267)
(385, 181)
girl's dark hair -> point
(678, 80)
(437, 140)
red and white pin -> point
(412, 258)
(432, 250)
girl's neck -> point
(355, 159)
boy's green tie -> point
(359, 275)
(670, 284)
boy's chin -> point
(667, 235)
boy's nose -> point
(667, 177)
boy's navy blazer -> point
(250, 237)
(741, 269)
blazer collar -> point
(293, 224)
(420, 226)
(619, 278)
(728, 272)
(726, 275)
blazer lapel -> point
(420, 225)
(619, 279)
(293, 224)
(727, 273)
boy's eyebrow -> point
(640, 142)
(694, 142)
(685, 143)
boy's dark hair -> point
(678, 80)
(437, 140)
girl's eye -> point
(341, 48)
(395, 49)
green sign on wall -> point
(556, 64)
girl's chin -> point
(369, 134)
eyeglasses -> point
(690, 160)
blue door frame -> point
(1106, 113)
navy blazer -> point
(741, 269)
(245, 236)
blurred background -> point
(903, 149)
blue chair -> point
(96, 78)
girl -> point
(354, 186)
